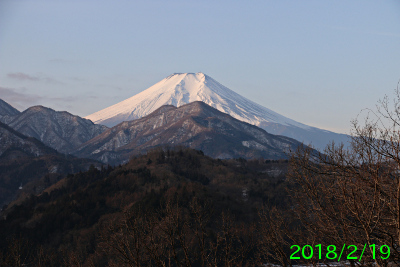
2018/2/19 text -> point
(307, 252)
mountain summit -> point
(182, 88)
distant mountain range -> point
(184, 109)
(183, 88)
(195, 125)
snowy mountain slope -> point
(182, 88)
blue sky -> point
(317, 62)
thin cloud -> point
(22, 77)
(17, 99)
(19, 76)
(24, 100)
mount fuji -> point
(182, 88)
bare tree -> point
(178, 236)
(352, 196)
(18, 253)
(134, 240)
(276, 236)
(201, 214)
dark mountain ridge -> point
(195, 125)
(7, 111)
(25, 160)
(58, 129)
(11, 140)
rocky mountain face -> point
(195, 125)
(7, 111)
(14, 143)
(57, 129)
(183, 88)
(29, 166)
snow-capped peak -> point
(183, 88)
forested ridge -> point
(76, 221)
